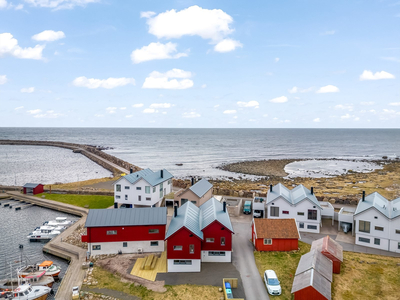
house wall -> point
(214, 230)
(206, 257)
(38, 189)
(336, 262)
(308, 293)
(393, 236)
(132, 247)
(125, 234)
(303, 206)
(184, 238)
(194, 267)
(277, 245)
(188, 194)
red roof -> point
(276, 229)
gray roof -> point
(31, 185)
(315, 260)
(390, 209)
(211, 211)
(294, 196)
(201, 187)
(327, 244)
(314, 279)
(127, 217)
(188, 217)
(153, 178)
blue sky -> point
(309, 64)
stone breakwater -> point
(91, 152)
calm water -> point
(199, 150)
(14, 228)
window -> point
(148, 198)
(96, 247)
(127, 187)
(126, 197)
(379, 228)
(154, 189)
(300, 213)
(209, 240)
(216, 253)
(183, 201)
(138, 188)
(161, 190)
(377, 241)
(301, 225)
(154, 243)
(274, 211)
(118, 197)
(118, 187)
(267, 241)
(139, 198)
(313, 227)
(223, 241)
(178, 248)
(182, 262)
(397, 231)
(285, 212)
(111, 232)
(194, 202)
(364, 240)
(169, 181)
(124, 244)
(312, 214)
(153, 230)
(191, 249)
(147, 190)
(398, 245)
(364, 226)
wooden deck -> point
(160, 267)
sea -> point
(182, 151)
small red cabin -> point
(311, 285)
(275, 234)
(331, 249)
(33, 188)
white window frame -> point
(111, 232)
(216, 253)
(153, 243)
(147, 189)
(154, 231)
(210, 240)
(267, 241)
(117, 187)
(178, 248)
(96, 247)
(187, 262)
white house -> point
(377, 222)
(144, 188)
(298, 203)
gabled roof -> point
(314, 279)
(153, 178)
(201, 187)
(188, 217)
(315, 260)
(31, 185)
(294, 196)
(276, 229)
(212, 210)
(127, 217)
(329, 245)
(390, 209)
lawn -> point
(363, 276)
(90, 201)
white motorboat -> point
(47, 266)
(28, 292)
(59, 221)
(43, 233)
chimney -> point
(162, 173)
(224, 206)
(312, 190)
(363, 196)
(131, 170)
(175, 211)
(270, 188)
(192, 180)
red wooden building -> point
(275, 234)
(33, 188)
(331, 249)
(311, 285)
(134, 230)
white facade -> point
(216, 256)
(131, 247)
(299, 212)
(184, 265)
(141, 193)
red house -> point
(275, 234)
(133, 230)
(311, 285)
(331, 249)
(198, 234)
(33, 188)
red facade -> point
(334, 259)
(308, 293)
(37, 190)
(277, 244)
(183, 237)
(216, 231)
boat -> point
(29, 292)
(37, 278)
(59, 221)
(44, 233)
(47, 266)
(57, 228)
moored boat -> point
(43, 233)
(28, 292)
(59, 221)
(37, 278)
(47, 266)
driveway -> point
(243, 260)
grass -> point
(363, 276)
(90, 201)
(111, 281)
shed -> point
(33, 188)
(315, 260)
(331, 249)
(311, 285)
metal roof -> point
(315, 260)
(294, 196)
(188, 217)
(31, 185)
(314, 279)
(127, 217)
(201, 187)
(153, 178)
(390, 209)
(212, 210)
(327, 244)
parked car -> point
(257, 213)
(272, 283)
(247, 207)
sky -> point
(200, 64)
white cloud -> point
(98, 115)
(228, 112)
(60, 4)
(395, 59)
(265, 115)
(252, 103)
(216, 105)
(137, 105)
(368, 75)
(160, 105)
(346, 116)
(227, 45)
(111, 110)
(191, 114)
(294, 90)
(155, 51)
(395, 104)
(157, 80)
(348, 107)
(49, 36)
(19, 7)
(128, 116)
(28, 90)
(367, 103)
(281, 99)
(34, 111)
(50, 114)
(122, 108)
(3, 3)
(3, 79)
(317, 120)
(147, 14)
(204, 86)
(19, 107)
(328, 89)
(9, 46)
(277, 59)
(109, 83)
(149, 111)
(356, 119)
(329, 32)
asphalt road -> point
(243, 260)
